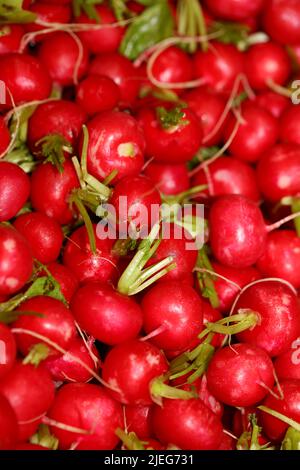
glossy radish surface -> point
(97, 93)
(8, 350)
(8, 425)
(14, 190)
(287, 365)
(168, 179)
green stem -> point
(87, 221)
(296, 208)
(159, 389)
(38, 353)
(130, 440)
(206, 280)
(291, 422)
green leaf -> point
(88, 6)
(153, 25)
(11, 11)
(45, 285)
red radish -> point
(137, 418)
(219, 66)
(130, 368)
(7, 350)
(282, 21)
(10, 38)
(48, 13)
(235, 10)
(281, 257)
(54, 202)
(288, 405)
(56, 324)
(289, 131)
(172, 135)
(278, 313)
(16, 261)
(241, 420)
(88, 408)
(172, 66)
(116, 142)
(43, 234)
(209, 108)
(60, 53)
(29, 446)
(287, 365)
(168, 179)
(240, 375)
(256, 134)
(121, 71)
(25, 77)
(96, 94)
(278, 172)
(102, 40)
(228, 175)
(237, 231)
(30, 392)
(57, 117)
(232, 280)
(8, 425)
(87, 266)
(66, 279)
(55, 2)
(187, 424)
(265, 63)
(177, 309)
(227, 443)
(14, 190)
(4, 136)
(272, 102)
(106, 315)
(65, 369)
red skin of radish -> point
(10, 41)
(16, 262)
(241, 420)
(65, 277)
(106, 315)
(235, 375)
(273, 102)
(256, 134)
(56, 2)
(267, 61)
(7, 350)
(168, 179)
(48, 13)
(172, 66)
(4, 135)
(26, 78)
(81, 261)
(176, 306)
(130, 367)
(235, 10)
(279, 316)
(89, 407)
(116, 142)
(227, 443)
(282, 21)
(59, 53)
(287, 365)
(121, 71)
(281, 257)
(177, 144)
(56, 324)
(278, 172)
(8, 425)
(289, 129)
(237, 231)
(209, 108)
(96, 94)
(30, 392)
(102, 40)
(43, 234)
(28, 446)
(187, 424)
(219, 66)
(226, 291)
(57, 117)
(228, 175)
(138, 420)
(12, 177)
(66, 369)
(54, 201)
(288, 406)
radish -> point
(65, 57)
(7, 350)
(187, 424)
(30, 392)
(48, 13)
(137, 419)
(287, 365)
(240, 375)
(175, 310)
(28, 446)
(279, 316)
(169, 179)
(66, 279)
(96, 94)
(85, 417)
(282, 21)
(12, 177)
(233, 10)
(54, 322)
(8, 425)
(289, 131)
(116, 142)
(16, 262)
(10, 39)
(106, 315)
(4, 136)
(43, 234)
(172, 66)
(273, 102)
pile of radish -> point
(147, 340)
